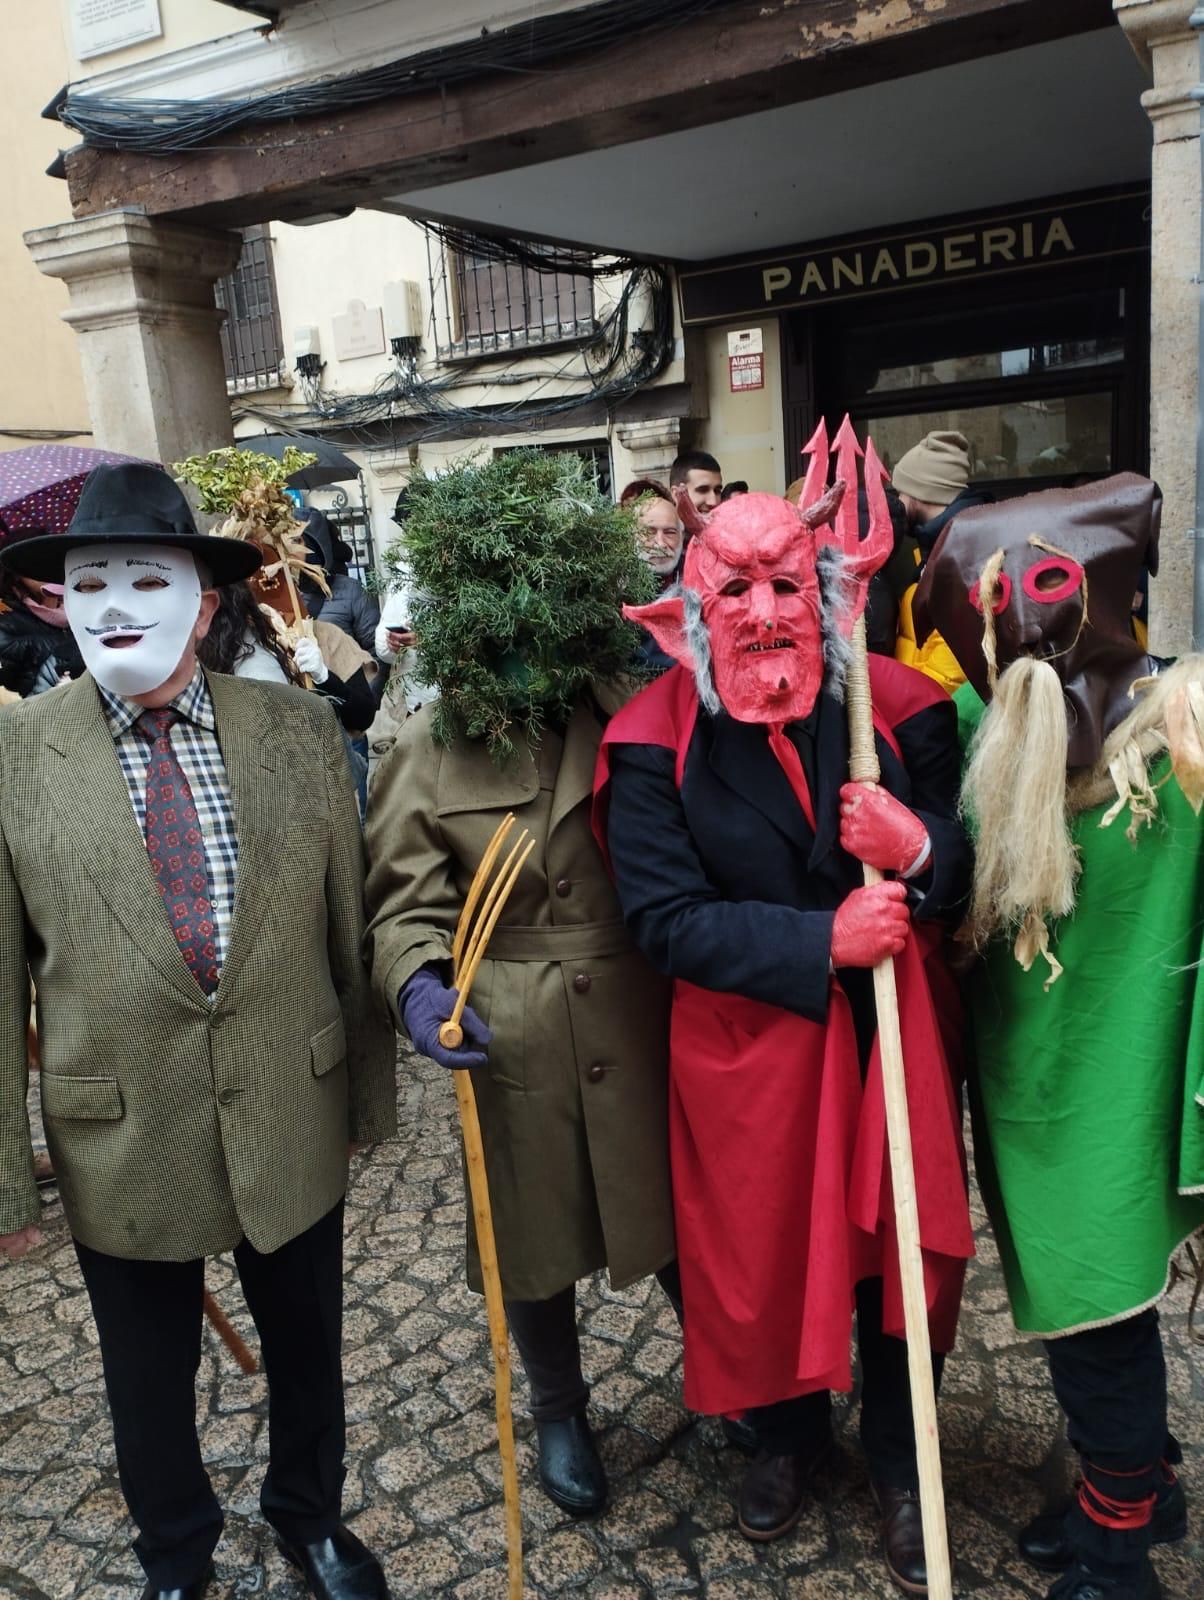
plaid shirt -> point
(194, 740)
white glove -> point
(309, 660)
(381, 644)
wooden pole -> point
(473, 931)
(298, 619)
(499, 1334)
(226, 1332)
(863, 768)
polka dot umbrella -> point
(40, 486)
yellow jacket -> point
(933, 658)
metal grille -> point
(481, 305)
(251, 343)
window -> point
(1058, 437)
(1043, 379)
(484, 305)
(250, 335)
(594, 455)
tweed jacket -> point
(179, 1124)
(573, 1103)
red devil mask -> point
(1072, 560)
(751, 571)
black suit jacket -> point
(723, 881)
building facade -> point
(982, 215)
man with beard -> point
(736, 846)
(1088, 1095)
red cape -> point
(781, 1175)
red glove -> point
(880, 830)
(870, 925)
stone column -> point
(653, 445)
(1167, 46)
(142, 305)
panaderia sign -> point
(1006, 241)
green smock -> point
(1088, 1099)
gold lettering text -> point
(998, 242)
(955, 260)
(920, 258)
(855, 273)
(1057, 234)
(884, 267)
(812, 278)
(775, 279)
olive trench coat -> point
(573, 1103)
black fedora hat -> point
(130, 504)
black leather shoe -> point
(903, 1537)
(741, 1435)
(188, 1591)
(338, 1568)
(774, 1492)
(1080, 1584)
(1043, 1541)
(569, 1468)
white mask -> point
(148, 594)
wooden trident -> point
(863, 558)
(482, 908)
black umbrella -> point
(332, 466)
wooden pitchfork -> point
(473, 932)
(864, 557)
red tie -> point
(791, 764)
(176, 847)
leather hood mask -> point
(1071, 563)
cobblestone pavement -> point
(423, 1485)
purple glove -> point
(424, 1005)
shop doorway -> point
(1045, 372)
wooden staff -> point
(864, 768)
(229, 1336)
(473, 931)
(298, 618)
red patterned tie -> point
(176, 847)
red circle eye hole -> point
(1003, 595)
(1056, 578)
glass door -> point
(1044, 374)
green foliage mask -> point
(520, 568)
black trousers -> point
(148, 1316)
(545, 1332)
(1111, 1383)
(803, 1426)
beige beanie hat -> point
(935, 470)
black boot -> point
(1045, 1542)
(740, 1434)
(569, 1467)
(903, 1537)
(1079, 1583)
(774, 1491)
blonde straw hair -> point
(1014, 795)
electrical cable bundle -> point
(618, 360)
(172, 125)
